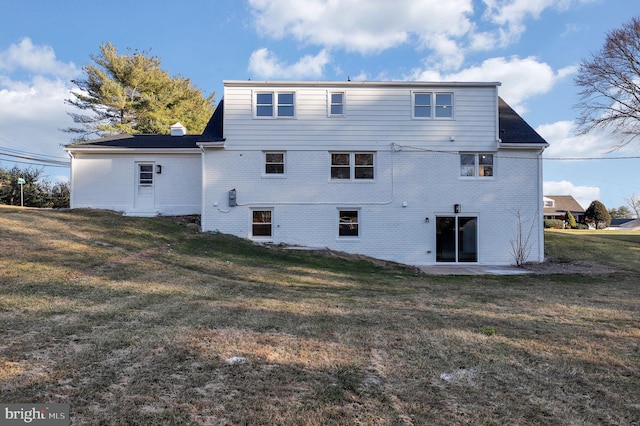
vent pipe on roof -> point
(178, 130)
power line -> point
(515, 157)
(589, 158)
(32, 154)
(30, 158)
(36, 164)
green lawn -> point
(146, 321)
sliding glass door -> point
(456, 239)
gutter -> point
(120, 150)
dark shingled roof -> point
(141, 141)
(513, 128)
(214, 130)
(212, 133)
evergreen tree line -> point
(36, 191)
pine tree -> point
(570, 220)
(132, 94)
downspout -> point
(203, 183)
(71, 180)
(539, 216)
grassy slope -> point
(133, 320)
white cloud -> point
(448, 29)
(521, 78)
(33, 87)
(564, 143)
(584, 195)
(26, 56)
(264, 64)
(365, 26)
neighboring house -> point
(624, 224)
(557, 206)
(417, 173)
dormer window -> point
(275, 105)
(264, 105)
(336, 104)
(432, 105)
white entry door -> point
(144, 191)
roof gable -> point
(564, 203)
(513, 128)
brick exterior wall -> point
(108, 181)
(410, 186)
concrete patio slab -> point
(473, 270)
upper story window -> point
(264, 104)
(432, 105)
(286, 107)
(336, 104)
(422, 105)
(352, 165)
(476, 165)
(275, 104)
(274, 163)
(444, 105)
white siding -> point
(108, 181)
(373, 116)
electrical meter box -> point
(232, 198)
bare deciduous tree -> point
(609, 82)
(521, 243)
(634, 203)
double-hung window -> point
(286, 107)
(352, 165)
(274, 163)
(264, 104)
(348, 223)
(432, 105)
(261, 223)
(476, 165)
(275, 105)
(422, 105)
(336, 104)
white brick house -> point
(417, 173)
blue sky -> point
(532, 46)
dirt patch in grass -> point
(580, 268)
(146, 321)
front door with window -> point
(456, 239)
(144, 196)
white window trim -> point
(359, 223)
(261, 237)
(254, 104)
(274, 175)
(352, 167)
(476, 158)
(329, 103)
(274, 104)
(432, 112)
